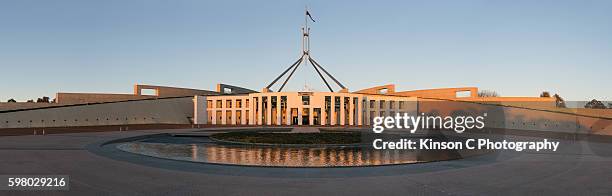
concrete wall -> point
(165, 91)
(159, 111)
(25, 105)
(527, 102)
(183, 110)
(199, 110)
(234, 89)
(78, 98)
(519, 118)
(160, 92)
(448, 93)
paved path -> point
(582, 168)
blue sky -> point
(517, 48)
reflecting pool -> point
(273, 156)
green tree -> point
(595, 104)
(559, 102)
(487, 93)
(43, 100)
(545, 94)
(11, 101)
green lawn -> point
(291, 138)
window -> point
(283, 102)
(305, 100)
(210, 117)
(382, 104)
(227, 90)
(219, 117)
(327, 110)
(246, 117)
(283, 110)
(273, 102)
(150, 92)
(219, 104)
(460, 94)
(337, 102)
(274, 112)
(383, 91)
(391, 104)
(228, 103)
(264, 109)
(228, 117)
(238, 103)
(372, 103)
(209, 103)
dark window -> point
(305, 100)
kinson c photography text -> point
(457, 123)
(406, 121)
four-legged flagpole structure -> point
(305, 58)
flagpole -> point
(307, 31)
(305, 16)
(306, 59)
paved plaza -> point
(581, 167)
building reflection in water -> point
(284, 156)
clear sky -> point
(517, 48)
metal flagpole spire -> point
(306, 58)
(306, 34)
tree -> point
(30, 101)
(43, 100)
(487, 93)
(559, 102)
(595, 104)
(11, 101)
(545, 94)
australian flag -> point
(309, 16)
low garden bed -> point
(290, 138)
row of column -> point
(259, 112)
(362, 113)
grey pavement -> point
(581, 167)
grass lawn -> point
(291, 138)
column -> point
(311, 116)
(359, 111)
(351, 112)
(323, 115)
(333, 111)
(278, 110)
(251, 110)
(288, 114)
(342, 114)
(299, 111)
(269, 111)
(259, 112)
(223, 113)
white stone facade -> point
(304, 108)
